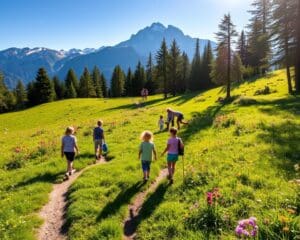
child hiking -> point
(98, 138)
(161, 123)
(174, 148)
(146, 150)
(68, 149)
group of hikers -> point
(174, 147)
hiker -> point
(98, 138)
(170, 118)
(68, 149)
(174, 147)
(161, 123)
(179, 117)
(146, 150)
(144, 94)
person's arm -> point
(93, 134)
(103, 137)
(155, 155)
(166, 149)
(76, 146)
(140, 152)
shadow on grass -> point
(41, 178)
(200, 121)
(147, 209)
(290, 104)
(122, 198)
(284, 141)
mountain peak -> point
(157, 26)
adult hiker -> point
(171, 116)
(144, 94)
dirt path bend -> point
(54, 211)
(135, 207)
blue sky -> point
(64, 24)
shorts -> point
(180, 117)
(98, 144)
(70, 156)
(146, 165)
(172, 157)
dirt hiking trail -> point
(54, 211)
(129, 231)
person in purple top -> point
(172, 148)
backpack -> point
(180, 149)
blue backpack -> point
(104, 148)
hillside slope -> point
(247, 149)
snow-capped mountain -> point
(23, 63)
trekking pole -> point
(183, 167)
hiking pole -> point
(183, 167)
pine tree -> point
(104, 86)
(44, 88)
(71, 84)
(96, 77)
(242, 48)
(31, 94)
(195, 79)
(21, 95)
(284, 15)
(117, 82)
(225, 39)
(174, 67)
(219, 66)
(150, 83)
(86, 86)
(128, 83)
(7, 99)
(139, 79)
(162, 64)
(59, 88)
(237, 68)
(207, 60)
(259, 35)
(185, 73)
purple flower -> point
(247, 228)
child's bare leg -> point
(170, 169)
(69, 166)
(173, 168)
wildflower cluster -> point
(247, 228)
(212, 197)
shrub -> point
(245, 101)
(264, 91)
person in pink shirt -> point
(174, 145)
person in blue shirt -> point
(98, 138)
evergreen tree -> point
(207, 60)
(242, 48)
(96, 76)
(174, 67)
(59, 88)
(7, 99)
(138, 80)
(284, 15)
(44, 88)
(219, 66)
(225, 39)
(162, 64)
(21, 95)
(185, 73)
(104, 86)
(259, 35)
(195, 79)
(31, 94)
(71, 84)
(117, 82)
(237, 68)
(128, 83)
(150, 83)
(86, 86)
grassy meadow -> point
(248, 149)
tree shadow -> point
(201, 121)
(290, 104)
(41, 178)
(122, 198)
(284, 139)
(147, 209)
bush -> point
(245, 101)
(264, 91)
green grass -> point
(247, 148)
